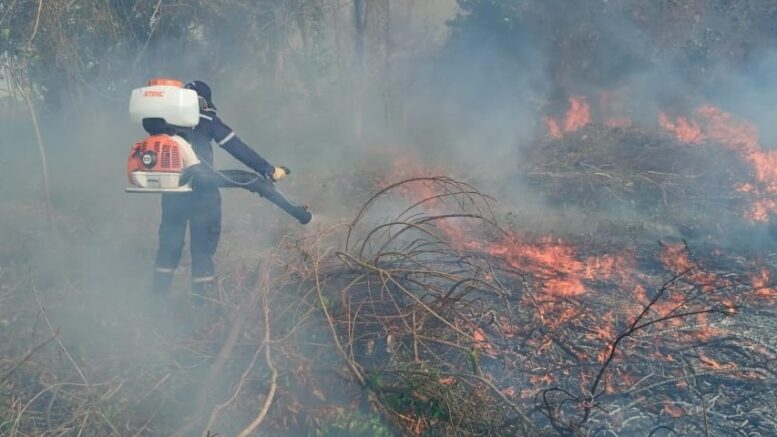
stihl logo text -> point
(151, 93)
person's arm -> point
(225, 137)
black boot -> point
(205, 290)
(160, 284)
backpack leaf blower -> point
(166, 162)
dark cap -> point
(203, 90)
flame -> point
(717, 126)
(675, 258)
(557, 263)
(723, 128)
(554, 131)
(709, 362)
(562, 280)
(762, 283)
(685, 131)
(447, 380)
(542, 381)
(673, 410)
(407, 166)
(578, 115)
(605, 330)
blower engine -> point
(165, 162)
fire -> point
(675, 258)
(554, 130)
(762, 283)
(709, 362)
(427, 194)
(717, 126)
(606, 330)
(577, 116)
(686, 131)
(723, 128)
(557, 263)
(673, 411)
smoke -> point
(446, 86)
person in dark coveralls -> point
(201, 208)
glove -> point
(279, 173)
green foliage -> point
(102, 47)
(353, 424)
(420, 395)
(474, 361)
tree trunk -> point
(360, 22)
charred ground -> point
(531, 218)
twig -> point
(319, 292)
(243, 378)
(273, 378)
(248, 304)
(41, 151)
(527, 427)
(27, 357)
(635, 325)
(54, 333)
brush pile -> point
(424, 309)
(599, 166)
(459, 327)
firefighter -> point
(201, 208)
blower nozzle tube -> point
(202, 176)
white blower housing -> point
(156, 163)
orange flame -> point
(718, 126)
(577, 116)
(673, 410)
(685, 131)
(556, 263)
(554, 131)
(709, 362)
(762, 283)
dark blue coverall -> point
(201, 208)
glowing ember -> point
(709, 362)
(673, 410)
(762, 283)
(675, 258)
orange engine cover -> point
(158, 153)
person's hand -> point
(279, 173)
